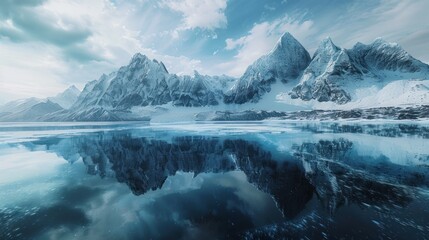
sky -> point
(48, 45)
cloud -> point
(29, 69)
(180, 65)
(402, 21)
(42, 220)
(204, 14)
(82, 31)
(260, 40)
(235, 43)
(49, 45)
(27, 21)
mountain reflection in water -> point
(320, 181)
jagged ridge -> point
(284, 63)
(147, 82)
(331, 75)
(333, 69)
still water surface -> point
(260, 180)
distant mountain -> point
(33, 109)
(284, 64)
(33, 113)
(67, 98)
(19, 105)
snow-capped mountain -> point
(146, 82)
(33, 113)
(286, 79)
(387, 60)
(335, 74)
(19, 105)
(284, 64)
(321, 79)
(332, 75)
(34, 109)
(67, 98)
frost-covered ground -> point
(400, 93)
(397, 95)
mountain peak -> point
(284, 63)
(66, 98)
(379, 40)
(142, 61)
(286, 37)
(196, 74)
(73, 89)
(139, 56)
(327, 43)
(327, 46)
(287, 50)
(286, 41)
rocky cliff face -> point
(334, 72)
(322, 78)
(147, 82)
(381, 57)
(284, 63)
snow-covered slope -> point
(67, 98)
(399, 93)
(387, 61)
(335, 74)
(395, 94)
(284, 63)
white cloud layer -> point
(204, 14)
(403, 21)
(40, 68)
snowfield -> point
(400, 93)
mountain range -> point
(361, 77)
(33, 109)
